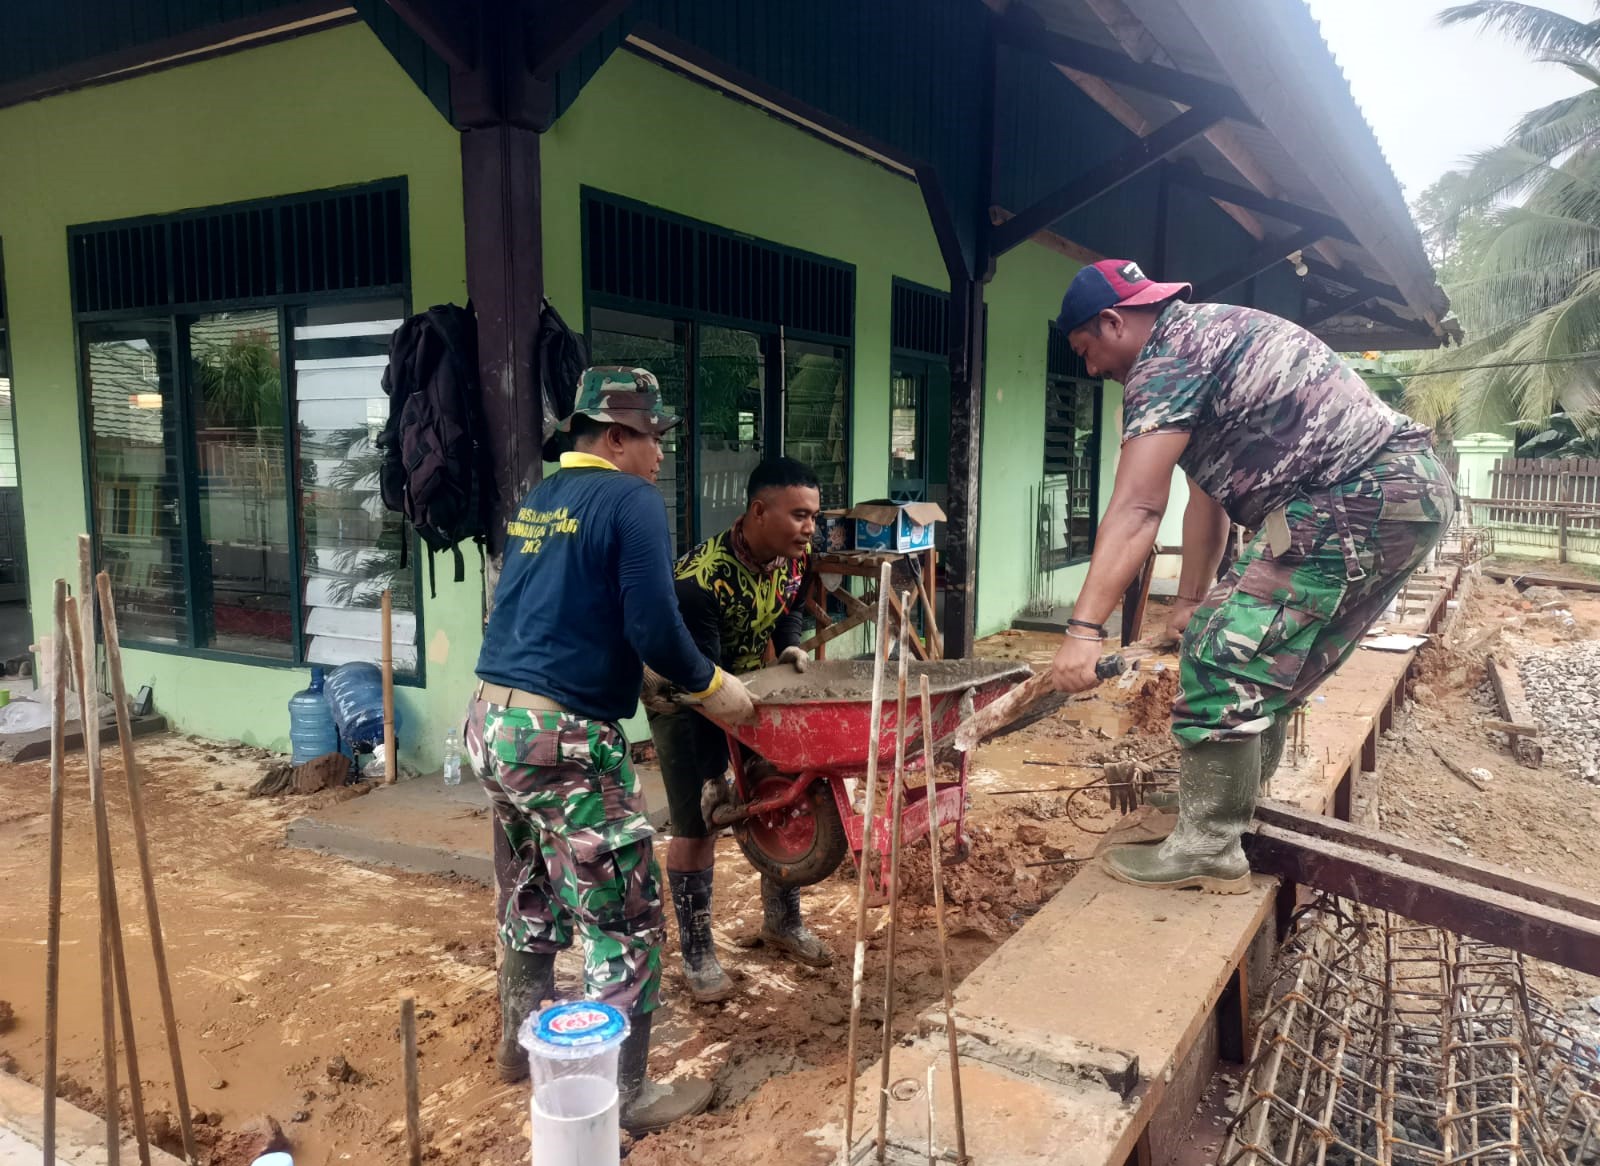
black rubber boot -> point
(691, 899)
(645, 1105)
(1217, 793)
(782, 927)
(527, 979)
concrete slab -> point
(80, 1136)
(426, 826)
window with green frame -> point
(1069, 502)
(231, 364)
(749, 340)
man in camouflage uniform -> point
(585, 598)
(1277, 434)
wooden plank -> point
(1513, 702)
(1515, 728)
(1535, 579)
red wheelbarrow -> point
(793, 808)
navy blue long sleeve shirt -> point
(586, 594)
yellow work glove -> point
(656, 693)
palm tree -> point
(1528, 293)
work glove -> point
(656, 693)
(796, 657)
(728, 701)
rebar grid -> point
(1387, 1043)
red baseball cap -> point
(1112, 283)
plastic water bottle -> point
(311, 729)
(452, 756)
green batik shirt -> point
(733, 605)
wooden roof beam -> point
(1356, 281)
(1026, 33)
(573, 26)
(1338, 307)
(1268, 255)
(1196, 179)
(448, 27)
(1113, 172)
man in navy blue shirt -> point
(585, 600)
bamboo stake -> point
(896, 802)
(944, 939)
(108, 997)
(873, 738)
(408, 1038)
(61, 660)
(391, 769)
(158, 945)
(111, 910)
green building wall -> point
(333, 108)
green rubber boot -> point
(527, 980)
(1217, 792)
(1158, 817)
(1272, 742)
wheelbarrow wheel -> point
(799, 846)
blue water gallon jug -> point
(311, 728)
(355, 696)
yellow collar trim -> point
(573, 460)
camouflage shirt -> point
(1272, 411)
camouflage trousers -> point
(1278, 625)
(572, 847)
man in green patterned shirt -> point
(739, 592)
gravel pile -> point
(1563, 686)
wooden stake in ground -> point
(896, 801)
(141, 838)
(391, 769)
(60, 661)
(874, 737)
(108, 995)
(110, 909)
(408, 1039)
(928, 765)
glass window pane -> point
(908, 475)
(351, 547)
(241, 482)
(662, 347)
(134, 475)
(730, 379)
(1069, 500)
(814, 424)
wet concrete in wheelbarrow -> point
(851, 680)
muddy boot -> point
(647, 1106)
(1217, 794)
(1272, 742)
(527, 979)
(1158, 817)
(783, 929)
(691, 899)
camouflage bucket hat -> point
(621, 396)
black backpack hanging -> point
(435, 468)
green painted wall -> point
(333, 108)
(318, 111)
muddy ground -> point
(284, 959)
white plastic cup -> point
(572, 1058)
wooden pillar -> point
(505, 280)
(966, 444)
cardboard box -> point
(836, 532)
(884, 526)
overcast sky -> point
(1434, 95)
